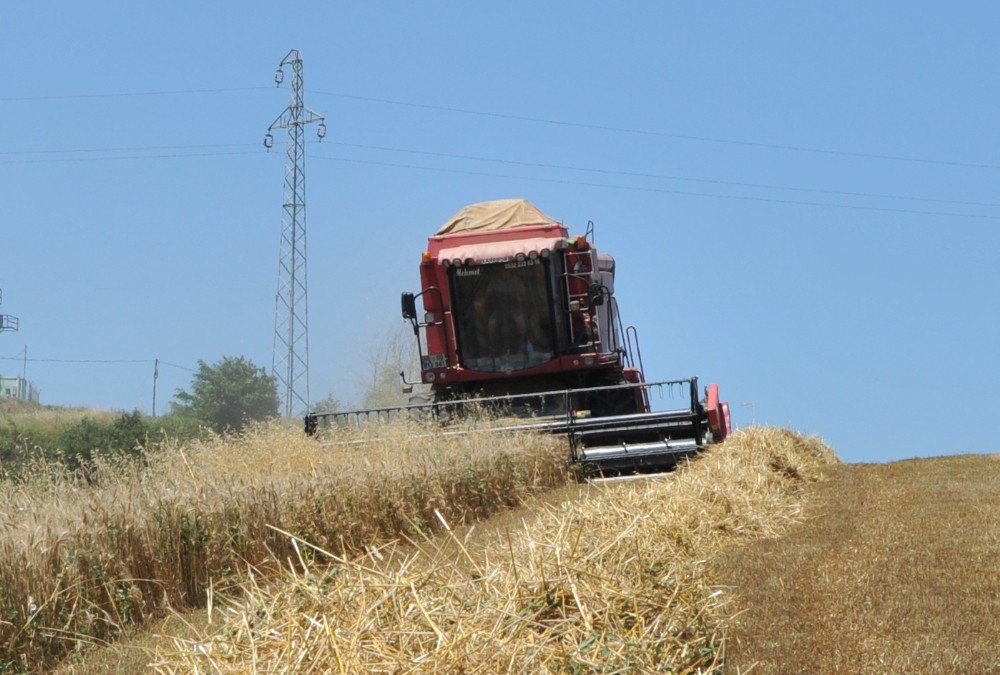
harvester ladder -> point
(570, 296)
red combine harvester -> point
(521, 318)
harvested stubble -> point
(79, 563)
(612, 582)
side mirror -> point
(407, 387)
(409, 306)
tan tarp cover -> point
(501, 214)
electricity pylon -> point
(290, 357)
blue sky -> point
(801, 196)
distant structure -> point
(8, 323)
(18, 388)
(290, 357)
(15, 387)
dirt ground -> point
(897, 569)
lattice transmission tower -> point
(290, 358)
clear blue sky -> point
(855, 297)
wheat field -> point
(611, 582)
(83, 561)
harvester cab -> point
(520, 318)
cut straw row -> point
(612, 582)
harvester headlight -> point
(457, 262)
(533, 255)
(428, 317)
(519, 257)
(428, 377)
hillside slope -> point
(897, 569)
(612, 581)
(894, 570)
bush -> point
(88, 438)
(75, 438)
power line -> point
(637, 188)
(126, 94)
(477, 158)
(520, 118)
(96, 361)
(137, 148)
(174, 365)
(636, 174)
(660, 134)
(129, 157)
(34, 360)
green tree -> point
(328, 404)
(228, 394)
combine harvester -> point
(520, 319)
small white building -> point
(18, 388)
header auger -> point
(520, 319)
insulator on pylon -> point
(279, 77)
(268, 141)
(321, 130)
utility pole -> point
(156, 374)
(290, 354)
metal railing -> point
(526, 406)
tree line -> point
(222, 397)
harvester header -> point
(521, 315)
